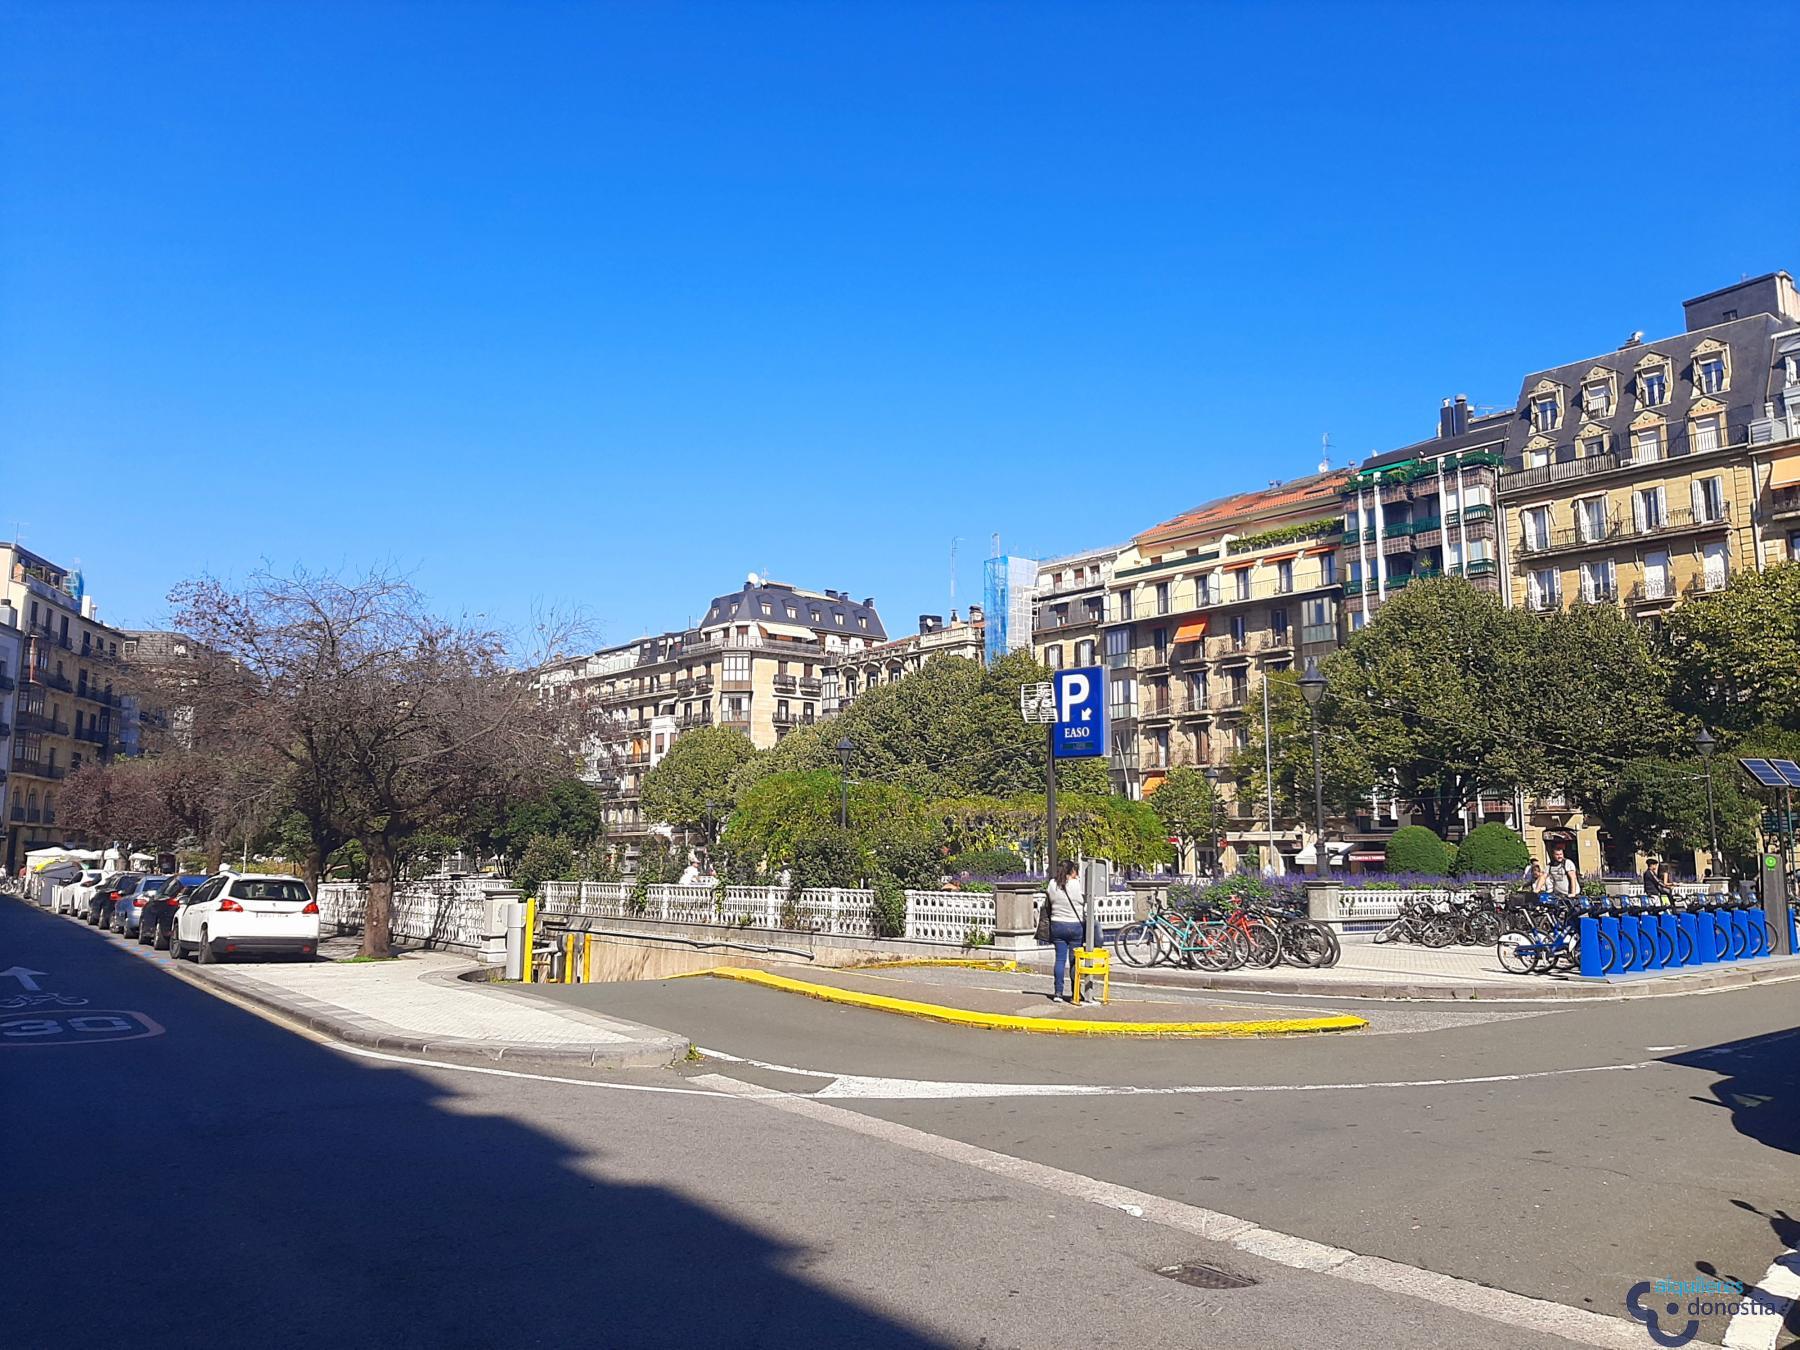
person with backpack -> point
(1564, 880)
(1063, 903)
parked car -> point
(130, 903)
(72, 896)
(244, 914)
(156, 920)
(100, 903)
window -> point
(1546, 412)
(1328, 569)
(1202, 749)
(1121, 696)
(1537, 457)
(1597, 400)
(1084, 652)
(1240, 627)
(1649, 509)
(1357, 620)
(1240, 686)
(1715, 570)
(1709, 499)
(1053, 656)
(1593, 447)
(1197, 689)
(1653, 386)
(1240, 739)
(1794, 545)
(1707, 433)
(1162, 597)
(737, 667)
(1278, 624)
(767, 608)
(1118, 646)
(1159, 641)
(1543, 588)
(781, 710)
(1536, 520)
(1243, 583)
(1059, 615)
(1284, 577)
(1092, 604)
(1159, 749)
(1126, 604)
(1597, 582)
(862, 622)
(1157, 695)
(1203, 591)
(1646, 445)
(1709, 374)
(1590, 519)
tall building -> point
(1632, 477)
(756, 661)
(12, 652)
(856, 670)
(1069, 607)
(1426, 510)
(67, 710)
(1199, 609)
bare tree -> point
(390, 722)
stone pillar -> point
(1322, 901)
(1015, 915)
(1147, 893)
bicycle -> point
(1423, 921)
(1539, 948)
(1168, 936)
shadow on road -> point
(228, 1184)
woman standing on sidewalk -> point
(1063, 897)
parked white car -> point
(72, 897)
(246, 914)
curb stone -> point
(655, 1051)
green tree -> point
(1734, 658)
(1415, 849)
(691, 789)
(1659, 806)
(1491, 850)
(1600, 699)
(544, 857)
(1188, 808)
(1290, 758)
(568, 807)
(1436, 697)
(779, 813)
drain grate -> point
(1202, 1276)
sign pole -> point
(1050, 796)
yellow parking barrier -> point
(530, 936)
(587, 958)
(1094, 961)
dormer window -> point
(1709, 374)
(1597, 398)
(1593, 446)
(1546, 412)
(1653, 385)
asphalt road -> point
(183, 1173)
(1610, 1143)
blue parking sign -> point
(1080, 712)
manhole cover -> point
(1203, 1276)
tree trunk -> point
(376, 918)
(310, 870)
(215, 855)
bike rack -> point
(1646, 939)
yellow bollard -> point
(530, 936)
(587, 959)
(1094, 961)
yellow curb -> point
(937, 1012)
(958, 963)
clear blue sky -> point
(605, 305)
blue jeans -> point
(1065, 937)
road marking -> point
(1494, 1305)
(1662, 1049)
(1062, 1026)
(1780, 1289)
(871, 1088)
(24, 977)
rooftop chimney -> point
(869, 602)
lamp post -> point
(1312, 686)
(1705, 744)
(845, 748)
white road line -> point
(1494, 1305)
(361, 1053)
(864, 1087)
(1779, 1289)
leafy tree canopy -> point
(692, 787)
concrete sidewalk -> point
(417, 1004)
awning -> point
(1785, 472)
(1153, 781)
(788, 630)
(1191, 631)
(1334, 854)
(1243, 566)
(1317, 549)
(1289, 556)
(1366, 856)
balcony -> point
(105, 698)
(1162, 710)
(1705, 585)
(1585, 535)
(787, 684)
(1644, 594)
(689, 721)
(813, 687)
(51, 680)
(1314, 634)
(1544, 602)
(736, 723)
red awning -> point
(1191, 631)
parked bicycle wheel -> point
(1264, 944)
(1483, 928)
(1608, 954)
(1518, 953)
(1398, 928)
(1137, 943)
(1684, 947)
(1307, 944)
(1223, 949)
(1665, 947)
(1439, 931)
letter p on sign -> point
(1072, 692)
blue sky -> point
(604, 306)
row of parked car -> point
(214, 917)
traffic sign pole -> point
(1050, 798)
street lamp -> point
(1312, 686)
(845, 748)
(1705, 744)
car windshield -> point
(270, 890)
(149, 884)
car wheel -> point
(145, 932)
(205, 950)
(162, 937)
(176, 950)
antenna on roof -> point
(753, 579)
(1325, 453)
(954, 541)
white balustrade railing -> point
(836, 909)
(438, 912)
(751, 906)
(948, 916)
